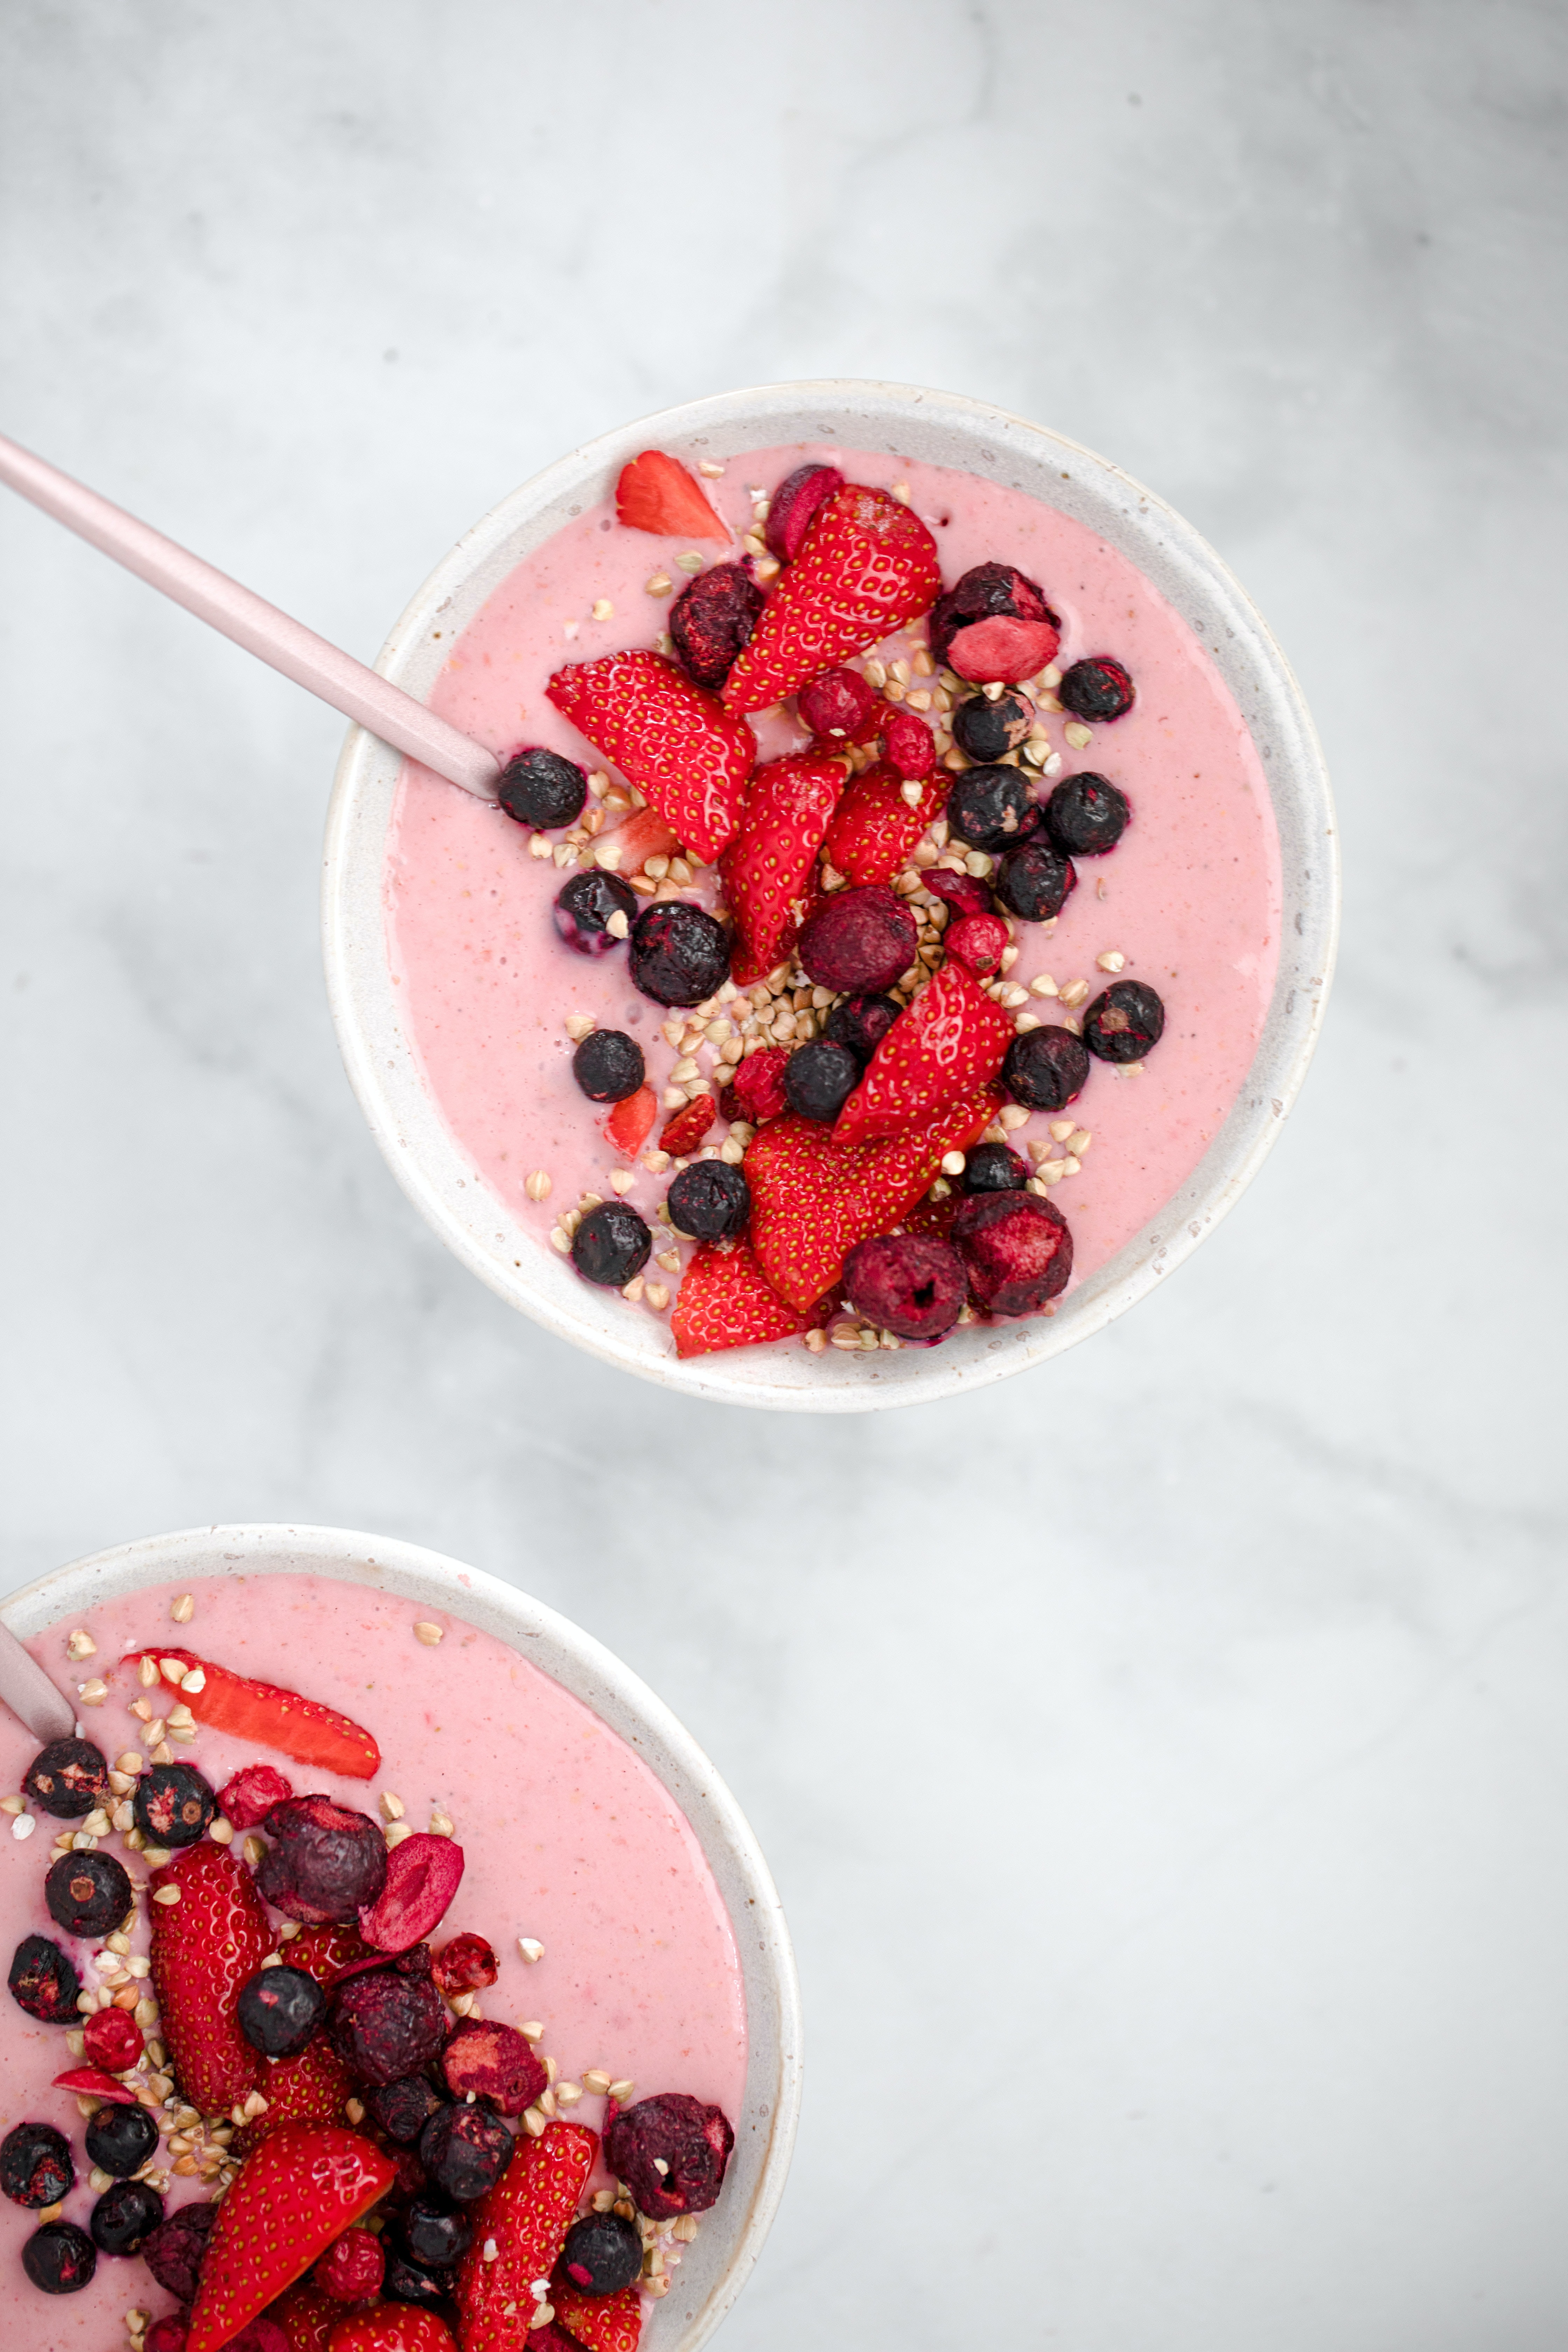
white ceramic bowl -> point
(716, 2267)
(942, 429)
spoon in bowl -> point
(29, 1693)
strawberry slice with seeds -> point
(300, 2190)
(785, 813)
(267, 1715)
(307, 2317)
(644, 835)
(600, 2323)
(308, 2088)
(867, 566)
(395, 2327)
(727, 1301)
(525, 2218)
(951, 1040)
(628, 1124)
(676, 742)
(812, 1197)
(685, 1129)
(204, 1947)
(655, 493)
(875, 825)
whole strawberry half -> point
(269, 1717)
(812, 1197)
(677, 744)
(204, 1949)
(951, 1040)
(393, 2327)
(727, 1301)
(301, 2190)
(655, 493)
(866, 567)
(600, 2323)
(784, 817)
(874, 827)
(527, 2214)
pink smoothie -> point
(1190, 898)
(568, 1838)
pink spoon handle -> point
(358, 692)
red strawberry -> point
(784, 815)
(601, 2323)
(628, 1124)
(677, 744)
(300, 2190)
(874, 828)
(270, 1718)
(92, 2083)
(655, 493)
(867, 565)
(812, 1197)
(951, 1040)
(726, 1301)
(686, 1129)
(527, 2214)
(644, 835)
(307, 2317)
(308, 2088)
(393, 2327)
(325, 1952)
(204, 1949)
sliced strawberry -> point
(785, 813)
(267, 1715)
(527, 2215)
(92, 2083)
(628, 1124)
(685, 1129)
(679, 746)
(308, 2088)
(307, 2317)
(325, 1953)
(727, 1301)
(951, 1040)
(397, 2327)
(655, 493)
(867, 566)
(874, 828)
(644, 835)
(203, 1948)
(1002, 651)
(812, 1197)
(300, 2190)
(600, 2323)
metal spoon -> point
(29, 1693)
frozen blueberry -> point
(709, 1200)
(679, 953)
(986, 729)
(1086, 816)
(89, 1894)
(124, 2216)
(994, 1167)
(434, 2236)
(403, 2108)
(671, 2151)
(987, 592)
(910, 1284)
(406, 2281)
(44, 1982)
(603, 2254)
(991, 808)
(712, 619)
(861, 1022)
(819, 1078)
(326, 1863)
(858, 940)
(541, 789)
(173, 1805)
(1045, 1069)
(279, 2009)
(174, 2252)
(464, 2150)
(1034, 881)
(66, 1778)
(1124, 1023)
(584, 906)
(611, 1244)
(121, 2138)
(608, 1066)
(793, 508)
(1016, 1249)
(59, 2258)
(36, 2166)
(1096, 689)
(385, 2026)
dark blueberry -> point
(35, 2167)
(1016, 1249)
(1033, 882)
(280, 2011)
(174, 2252)
(119, 2138)
(124, 2216)
(987, 592)
(1098, 688)
(712, 618)
(464, 2150)
(608, 1066)
(986, 729)
(909, 1284)
(59, 2258)
(44, 1982)
(406, 2281)
(1045, 1069)
(434, 2236)
(583, 908)
(326, 1864)
(991, 808)
(819, 1078)
(858, 941)
(709, 1200)
(671, 2151)
(996, 1167)
(793, 508)
(1124, 1023)
(403, 2108)
(541, 788)
(861, 1022)
(89, 1894)
(173, 1805)
(679, 953)
(66, 1778)
(611, 1244)
(385, 2026)
(602, 2254)
(1086, 816)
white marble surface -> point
(1164, 1758)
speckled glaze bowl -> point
(716, 2265)
(942, 429)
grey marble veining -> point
(1163, 1757)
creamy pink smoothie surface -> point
(567, 1837)
(1190, 897)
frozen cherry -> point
(994, 1168)
(423, 1876)
(89, 1894)
(36, 2166)
(758, 1084)
(861, 1022)
(586, 905)
(543, 789)
(485, 2059)
(113, 2039)
(281, 2009)
(326, 1864)
(174, 1804)
(608, 1066)
(434, 2237)
(837, 704)
(820, 1077)
(352, 2268)
(119, 2139)
(1017, 1250)
(59, 2258)
(671, 2151)
(467, 1964)
(169, 2334)
(991, 808)
(986, 728)
(712, 619)
(611, 1244)
(124, 2217)
(910, 1284)
(44, 1982)
(1124, 1023)
(857, 940)
(960, 894)
(66, 1778)
(793, 508)
(679, 953)
(174, 2252)
(709, 1200)
(603, 2254)
(1045, 1069)
(1096, 689)
(464, 2150)
(910, 746)
(989, 592)
(251, 1795)
(979, 942)
(1086, 816)
(384, 2025)
(1034, 881)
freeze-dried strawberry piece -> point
(874, 828)
(951, 1040)
(685, 1129)
(629, 1123)
(655, 493)
(793, 508)
(758, 1084)
(251, 1795)
(681, 747)
(1002, 652)
(909, 745)
(265, 1715)
(841, 705)
(785, 813)
(644, 835)
(867, 566)
(727, 1301)
(112, 2039)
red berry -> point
(422, 1874)
(112, 2039)
(793, 508)
(910, 745)
(1018, 1249)
(465, 1965)
(686, 1129)
(655, 493)
(485, 2059)
(266, 1716)
(838, 703)
(758, 1084)
(250, 1797)
(978, 943)
(167, 2335)
(858, 940)
(351, 2270)
(910, 1284)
